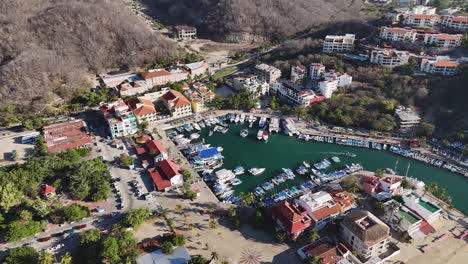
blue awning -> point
(207, 153)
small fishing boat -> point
(220, 149)
(201, 124)
(244, 133)
(349, 154)
(196, 126)
(288, 173)
(335, 159)
(256, 171)
(268, 186)
(236, 181)
(265, 134)
(211, 133)
(306, 164)
(237, 119)
(194, 136)
(239, 170)
(260, 134)
(302, 170)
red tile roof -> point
(460, 19)
(155, 74)
(160, 182)
(449, 64)
(66, 135)
(168, 168)
(144, 110)
(424, 16)
(325, 212)
(155, 146)
(48, 189)
(179, 98)
(325, 250)
(140, 150)
(293, 218)
(449, 37)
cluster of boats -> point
(426, 159)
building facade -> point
(251, 83)
(332, 81)
(119, 118)
(443, 40)
(133, 88)
(298, 73)
(267, 73)
(291, 218)
(456, 22)
(389, 57)
(421, 20)
(365, 233)
(66, 135)
(338, 43)
(398, 34)
(407, 118)
(296, 94)
(440, 65)
(425, 208)
(143, 109)
(177, 104)
(316, 71)
(400, 218)
(185, 32)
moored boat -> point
(244, 132)
(260, 134)
(256, 171)
(239, 170)
(265, 135)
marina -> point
(297, 155)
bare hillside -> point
(48, 48)
(244, 20)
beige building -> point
(421, 20)
(186, 32)
(267, 73)
(389, 57)
(443, 40)
(178, 105)
(398, 34)
(338, 43)
(456, 22)
(365, 233)
(440, 65)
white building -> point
(389, 57)
(440, 65)
(365, 233)
(144, 110)
(298, 73)
(401, 218)
(423, 10)
(338, 43)
(422, 206)
(186, 32)
(119, 118)
(133, 88)
(296, 94)
(456, 22)
(421, 20)
(443, 40)
(255, 86)
(407, 118)
(267, 73)
(398, 34)
(316, 71)
(332, 81)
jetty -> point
(274, 125)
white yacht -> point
(260, 134)
(256, 171)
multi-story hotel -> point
(389, 57)
(338, 43)
(120, 119)
(398, 34)
(332, 81)
(267, 73)
(455, 22)
(443, 40)
(316, 71)
(440, 65)
(421, 20)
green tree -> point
(199, 260)
(75, 212)
(23, 227)
(379, 173)
(315, 260)
(187, 174)
(137, 216)
(66, 258)
(179, 240)
(405, 184)
(313, 235)
(351, 184)
(273, 103)
(126, 160)
(110, 251)
(9, 195)
(89, 246)
(21, 255)
(425, 129)
(213, 224)
(167, 247)
(46, 258)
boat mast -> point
(396, 164)
(407, 169)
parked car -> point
(80, 226)
(44, 239)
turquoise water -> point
(282, 151)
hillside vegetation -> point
(50, 49)
(245, 20)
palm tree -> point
(66, 259)
(315, 260)
(46, 258)
(313, 235)
(179, 208)
(214, 255)
(164, 212)
(250, 256)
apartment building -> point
(298, 73)
(389, 57)
(119, 118)
(143, 109)
(455, 22)
(199, 96)
(291, 218)
(323, 207)
(398, 34)
(267, 73)
(366, 234)
(296, 94)
(421, 20)
(157, 77)
(316, 71)
(176, 73)
(401, 218)
(66, 135)
(178, 105)
(443, 40)
(185, 32)
(425, 208)
(133, 88)
(253, 84)
(197, 68)
(332, 81)
(407, 118)
(338, 43)
(113, 80)
(440, 65)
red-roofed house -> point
(441, 65)
(48, 191)
(456, 22)
(143, 109)
(161, 183)
(398, 34)
(327, 251)
(370, 185)
(291, 218)
(171, 171)
(155, 147)
(421, 20)
(177, 104)
(443, 40)
(66, 135)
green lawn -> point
(225, 72)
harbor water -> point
(282, 151)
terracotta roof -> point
(292, 217)
(48, 189)
(155, 74)
(444, 63)
(145, 101)
(179, 98)
(344, 199)
(366, 226)
(424, 16)
(156, 146)
(448, 37)
(325, 250)
(397, 30)
(145, 110)
(160, 182)
(460, 19)
(140, 150)
(168, 168)
(325, 212)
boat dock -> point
(274, 125)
